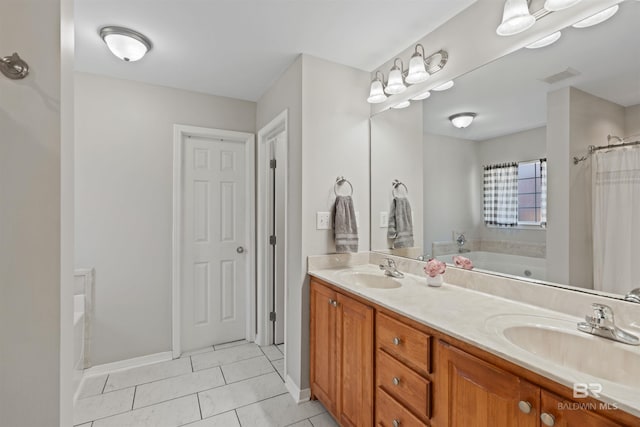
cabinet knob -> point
(396, 341)
(396, 423)
(396, 381)
(548, 419)
(525, 407)
(333, 302)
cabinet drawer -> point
(404, 342)
(388, 410)
(404, 384)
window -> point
(515, 194)
(530, 192)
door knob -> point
(240, 249)
(548, 419)
(525, 407)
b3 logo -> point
(582, 390)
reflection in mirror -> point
(504, 191)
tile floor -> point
(231, 385)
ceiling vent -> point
(563, 75)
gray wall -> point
(124, 152)
(396, 153)
(286, 93)
(451, 178)
(328, 136)
(576, 120)
(31, 329)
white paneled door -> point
(214, 238)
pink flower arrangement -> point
(463, 262)
(434, 267)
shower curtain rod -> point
(592, 148)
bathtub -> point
(515, 265)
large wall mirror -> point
(505, 191)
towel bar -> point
(340, 181)
(395, 184)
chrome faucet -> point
(461, 240)
(602, 324)
(390, 269)
(633, 296)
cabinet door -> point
(478, 394)
(355, 369)
(323, 345)
(565, 413)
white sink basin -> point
(558, 341)
(370, 280)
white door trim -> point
(179, 132)
(275, 127)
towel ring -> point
(340, 181)
(395, 184)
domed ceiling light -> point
(125, 43)
(462, 120)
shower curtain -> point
(616, 220)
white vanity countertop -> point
(477, 318)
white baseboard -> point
(298, 395)
(129, 363)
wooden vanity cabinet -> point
(422, 377)
(342, 355)
(476, 393)
(567, 413)
(403, 383)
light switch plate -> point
(323, 221)
(384, 219)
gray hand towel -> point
(344, 225)
(400, 223)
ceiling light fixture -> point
(462, 120)
(516, 18)
(376, 93)
(395, 84)
(545, 41)
(417, 68)
(400, 105)
(125, 43)
(421, 96)
(556, 5)
(597, 18)
(444, 86)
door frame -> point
(275, 127)
(179, 133)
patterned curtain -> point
(501, 195)
(543, 191)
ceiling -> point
(239, 48)
(509, 96)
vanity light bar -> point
(420, 69)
